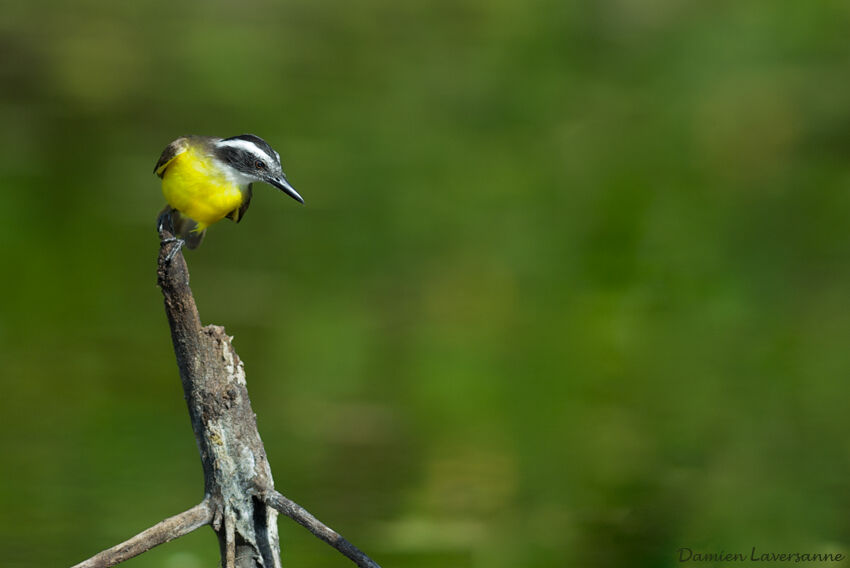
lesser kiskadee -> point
(205, 179)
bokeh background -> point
(570, 287)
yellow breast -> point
(194, 186)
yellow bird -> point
(205, 179)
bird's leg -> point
(165, 223)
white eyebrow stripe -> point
(248, 147)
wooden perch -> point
(240, 501)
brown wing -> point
(171, 151)
(236, 214)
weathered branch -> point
(160, 533)
(240, 501)
(232, 453)
(303, 517)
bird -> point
(205, 179)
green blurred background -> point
(570, 287)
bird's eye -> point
(259, 165)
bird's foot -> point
(174, 249)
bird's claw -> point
(174, 249)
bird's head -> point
(253, 159)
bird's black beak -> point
(284, 186)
